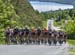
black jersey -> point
(15, 31)
(38, 31)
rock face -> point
(25, 12)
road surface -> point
(32, 50)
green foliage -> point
(17, 13)
(70, 29)
(26, 13)
(71, 42)
(60, 14)
(63, 18)
(6, 11)
(20, 13)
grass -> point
(71, 42)
(72, 50)
(2, 41)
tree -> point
(6, 11)
(70, 29)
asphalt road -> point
(33, 50)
